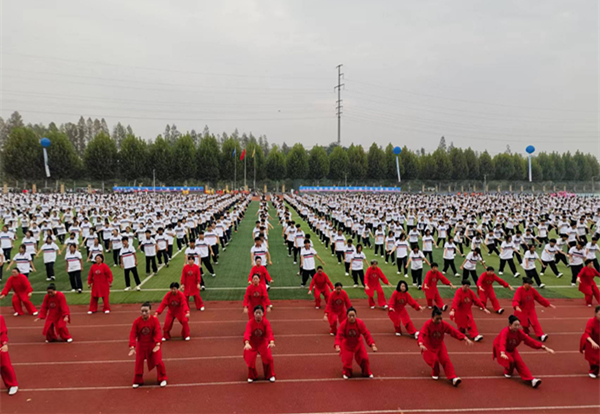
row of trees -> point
(209, 158)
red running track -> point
(208, 374)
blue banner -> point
(308, 189)
(157, 189)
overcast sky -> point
(482, 73)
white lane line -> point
(465, 410)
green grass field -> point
(232, 272)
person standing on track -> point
(349, 344)
(433, 348)
(178, 308)
(259, 269)
(22, 293)
(590, 343)
(256, 295)
(397, 310)
(100, 279)
(7, 371)
(524, 305)
(461, 312)
(336, 308)
(144, 342)
(321, 284)
(259, 339)
(431, 290)
(56, 313)
(485, 286)
(587, 285)
(191, 279)
(372, 286)
(506, 353)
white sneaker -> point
(573, 284)
(417, 335)
(385, 306)
(590, 374)
(13, 390)
(517, 274)
(70, 340)
(398, 272)
(405, 274)
(456, 381)
(126, 289)
(250, 380)
(398, 334)
(507, 376)
(136, 385)
(163, 384)
(543, 285)
(501, 273)
(35, 313)
(202, 309)
(16, 314)
(536, 382)
(138, 288)
(444, 272)
(500, 311)
(214, 275)
(164, 339)
(435, 378)
(90, 312)
(558, 276)
(187, 338)
(72, 290)
(372, 307)
(544, 337)
(317, 307)
(272, 379)
(347, 274)
(478, 338)
(344, 376)
(355, 286)
(295, 263)
(107, 312)
(456, 274)
(371, 376)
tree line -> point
(90, 151)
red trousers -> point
(265, 356)
(197, 300)
(399, 317)
(7, 372)
(94, 303)
(317, 294)
(530, 319)
(434, 298)
(185, 327)
(593, 357)
(491, 295)
(333, 319)
(466, 323)
(361, 356)
(588, 298)
(53, 333)
(154, 360)
(16, 302)
(380, 295)
(434, 358)
(513, 362)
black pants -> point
(518, 256)
(116, 255)
(207, 264)
(575, 272)
(49, 270)
(401, 263)
(215, 250)
(417, 276)
(596, 264)
(290, 245)
(449, 263)
(367, 241)
(170, 251)
(134, 272)
(151, 260)
(511, 264)
(163, 255)
(561, 258)
(533, 274)
(460, 247)
(552, 266)
(340, 256)
(7, 254)
(180, 243)
(75, 279)
(296, 251)
(307, 274)
(428, 254)
(379, 247)
(472, 273)
(492, 248)
(358, 274)
(389, 256)
(347, 267)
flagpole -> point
(244, 170)
(235, 171)
(254, 158)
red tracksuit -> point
(397, 311)
(321, 284)
(486, 282)
(508, 341)
(525, 299)
(463, 314)
(178, 307)
(256, 295)
(145, 335)
(100, 277)
(588, 286)
(191, 277)
(6, 369)
(21, 286)
(336, 309)
(265, 277)
(372, 278)
(349, 339)
(259, 334)
(432, 336)
(53, 310)
(592, 330)
(431, 293)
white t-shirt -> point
(95, 251)
(195, 253)
(449, 251)
(529, 260)
(203, 247)
(6, 238)
(128, 256)
(73, 261)
(577, 256)
(117, 242)
(416, 262)
(349, 252)
(340, 242)
(591, 250)
(259, 252)
(507, 250)
(308, 258)
(549, 252)
(149, 246)
(49, 252)
(22, 261)
(402, 248)
(357, 260)
(428, 243)
(162, 241)
(472, 259)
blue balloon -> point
(45, 142)
(397, 150)
(530, 149)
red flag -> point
(243, 155)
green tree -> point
(504, 167)
(571, 171)
(133, 158)
(546, 165)
(520, 167)
(583, 166)
(376, 163)
(22, 156)
(339, 163)
(458, 164)
(297, 162)
(259, 160)
(275, 164)
(207, 160)
(184, 158)
(440, 159)
(390, 162)
(318, 163)
(428, 167)
(160, 155)
(358, 163)
(62, 158)
(537, 173)
(472, 162)
(101, 158)
(486, 166)
(410, 167)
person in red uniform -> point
(485, 286)
(259, 339)
(178, 308)
(56, 313)
(372, 285)
(524, 305)
(462, 313)
(6, 369)
(22, 292)
(336, 308)
(256, 294)
(144, 342)
(589, 345)
(100, 280)
(397, 310)
(433, 348)
(321, 284)
(191, 280)
(430, 287)
(259, 269)
(350, 345)
(587, 285)
(505, 350)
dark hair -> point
(490, 269)
(436, 311)
(527, 280)
(51, 286)
(351, 309)
(512, 319)
(338, 284)
(174, 285)
(465, 282)
(434, 264)
(257, 239)
(259, 307)
(125, 238)
(597, 309)
(100, 255)
(147, 305)
(400, 283)
(319, 267)
(588, 261)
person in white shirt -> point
(74, 264)
(129, 264)
(95, 250)
(307, 262)
(205, 253)
(507, 249)
(428, 243)
(115, 245)
(469, 265)
(576, 259)
(379, 240)
(7, 242)
(449, 254)
(339, 242)
(528, 264)
(390, 243)
(358, 258)
(349, 251)
(590, 252)
(258, 250)
(298, 242)
(23, 261)
(401, 249)
(550, 250)
(415, 260)
(162, 245)
(148, 246)
(49, 250)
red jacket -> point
(349, 335)
(525, 299)
(432, 334)
(592, 330)
(21, 286)
(177, 304)
(338, 303)
(256, 295)
(54, 309)
(508, 341)
(100, 277)
(431, 279)
(400, 299)
(486, 282)
(145, 333)
(373, 275)
(586, 276)
(263, 272)
(258, 333)
(321, 282)
(191, 276)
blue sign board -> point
(157, 189)
(309, 189)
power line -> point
(339, 103)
